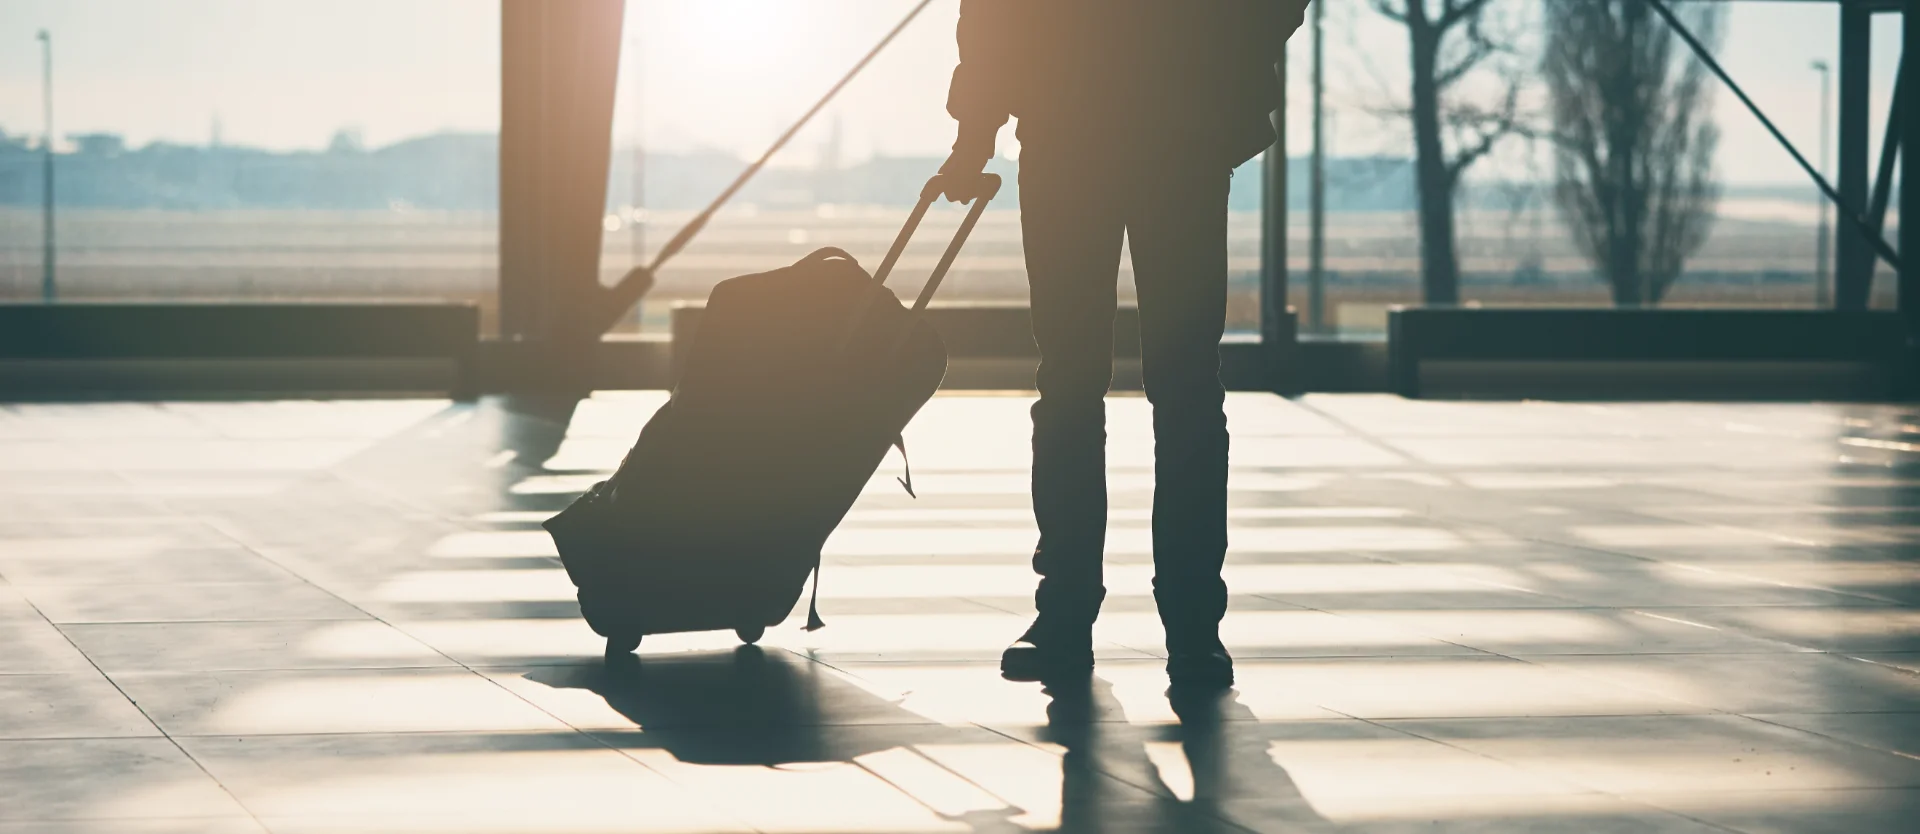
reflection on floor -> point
(1449, 617)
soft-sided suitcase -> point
(797, 384)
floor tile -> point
(524, 640)
(74, 705)
(1895, 732)
(1882, 581)
(876, 777)
(184, 602)
(1378, 688)
(260, 644)
(550, 781)
(73, 537)
(1536, 814)
(1800, 812)
(1218, 751)
(1277, 634)
(183, 825)
(34, 645)
(744, 688)
(1908, 661)
(1682, 754)
(106, 779)
(221, 564)
(1135, 692)
(341, 701)
(1650, 582)
(14, 604)
(940, 637)
(1565, 631)
(1877, 629)
(1751, 683)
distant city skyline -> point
(721, 74)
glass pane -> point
(705, 87)
(236, 150)
(1515, 245)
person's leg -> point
(1072, 229)
(1177, 229)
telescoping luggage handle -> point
(988, 187)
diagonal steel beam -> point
(1880, 244)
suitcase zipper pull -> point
(900, 443)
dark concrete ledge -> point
(1663, 354)
(158, 349)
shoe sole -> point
(1200, 684)
(1043, 673)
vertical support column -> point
(1853, 255)
(559, 65)
(1909, 177)
(1317, 189)
(48, 252)
(1278, 329)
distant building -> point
(98, 144)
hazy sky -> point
(720, 73)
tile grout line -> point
(201, 766)
(219, 526)
(693, 793)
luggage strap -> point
(901, 444)
(814, 623)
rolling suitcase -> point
(797, 384)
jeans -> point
(1076, 206)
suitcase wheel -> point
(750, 634)
(617, 646)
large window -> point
(705, 86)
(1515, 245)
(238, 150)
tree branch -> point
(1454, 13)
(1391, 10)
(1503, 123)
(1479, 48)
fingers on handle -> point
(964, 188)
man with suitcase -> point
(1132, 116)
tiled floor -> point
(1487, 617)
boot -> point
(1191, 614)
(1051, 651)
(1199, 665)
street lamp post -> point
(1821, 255)
(46, 154)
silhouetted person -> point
(1132, 116)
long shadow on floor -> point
(770, 709)
(1219, 757)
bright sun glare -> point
(747, 33)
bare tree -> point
(1449, 40)
(1633, 139)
